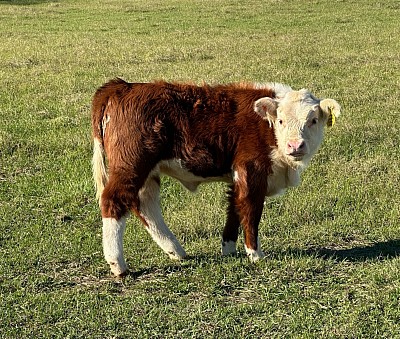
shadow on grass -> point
(381, 250)
(154, 271)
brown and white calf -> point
(256, 137)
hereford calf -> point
(256, 137)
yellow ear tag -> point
(332, 117)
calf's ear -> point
(266, 109)
(331, 110)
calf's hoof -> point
(254, 255)
(228, 247)
(118, 270)
(177, 255)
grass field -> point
(333, 244)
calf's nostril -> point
(296, 146)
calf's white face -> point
(298, 119)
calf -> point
(258, 138)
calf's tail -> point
(100, 175)
(99, 167)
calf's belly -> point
(176, 169)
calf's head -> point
(298, 119)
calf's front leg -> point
(231, 231)
(248, 194)
(250, 212)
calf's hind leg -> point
(115, 200)
(113, 232)
(150, 212)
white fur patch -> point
(236, 176)
(113, 232)
(283, 174)
(255, 255)
(150, 210)
(175, 168)
(298, 121)
(228, 247)
(105, 121)
(279, 89)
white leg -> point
(228, 247)
(150, 210)
(113, 232)
(255, 255)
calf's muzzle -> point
(296, 148)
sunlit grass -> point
(332, 244)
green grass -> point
(333, 244)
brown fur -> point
(212, 129)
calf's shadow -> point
(377, 251)
(380, 250)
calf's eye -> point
(314, 121)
